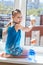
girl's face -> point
(18, 18)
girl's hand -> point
(32, 23)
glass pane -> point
(6, 7)
(34, 10)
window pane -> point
(34, 10)
(6, 7)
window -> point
(6, 7)
(34, 9)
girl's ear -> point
(12, 16)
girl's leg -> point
(23, 55)
(6, 55)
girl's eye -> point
(19, 17)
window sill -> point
(38, 49)
(39, 57)
(39, 60)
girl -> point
(13, 30)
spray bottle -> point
(32, 52)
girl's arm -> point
(26, 29)
(6, 28)
(5, 31)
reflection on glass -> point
(6, 7)
(34, 8)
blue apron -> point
(13, 42)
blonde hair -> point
(16, 12)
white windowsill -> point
(38, 49)
(39, 60)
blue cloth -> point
(13, 42)
(31, 52)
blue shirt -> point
(13, 42)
